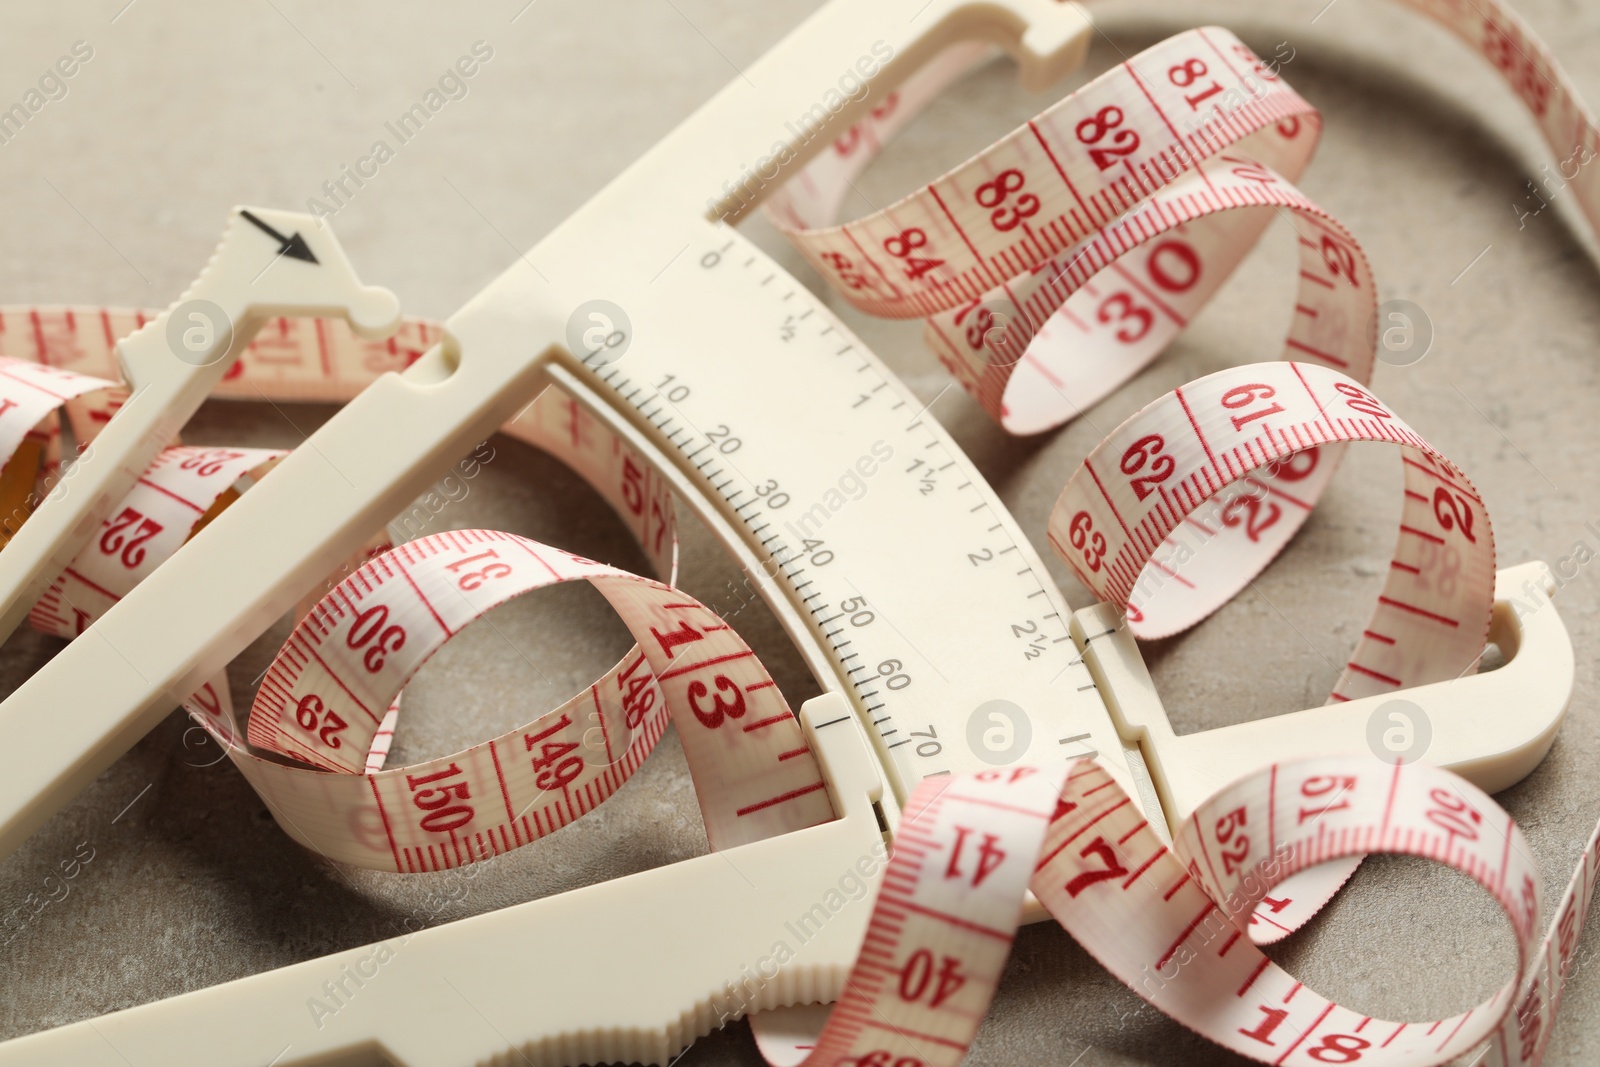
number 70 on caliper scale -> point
(897, 595)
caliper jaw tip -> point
(268, 262)
(295, 265)
(1491, 728)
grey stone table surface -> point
(114, 193)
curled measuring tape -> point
(325, 695)
(1207, 201)
(1172, 924)
(1059, 261)
(1237, 446)
(330, 699)
(1121, 223)
(965, 849)
(1062, 259)
(1078, 246)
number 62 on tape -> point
(1049, 269)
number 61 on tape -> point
(1094, 231)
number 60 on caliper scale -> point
(1079, 678)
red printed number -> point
(1147, 450)
(1263, 1031)
(1335, 1048)
(632, 491)
(1255, 523)
(209, 462)
(1174, 266)
(316, 717)
(902, 245)
(1114, 869)
(1339, 1048)
(847, 272)
(1093, 130)
(731, 708)
(1234, 846)
(1120, 309)
(1453, 512)
(1361, 400)
(1243, 396)
(475, 578)
(1294, 468)
(1084, 538)
(638, 695)
(683, 635)
(1341, 260)
(990, 856)
(371, 626)
(1454, 815)
(921, 977)
(125, 537)
(1186, 74)
(555, 767)
(996, 192)
(1333, 793)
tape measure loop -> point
(1044, 187)
(1179, 508)
(1171, 922)
(1062, 259)
(324, 694)
(347, 815)
(1090, 320)
(1092, 183)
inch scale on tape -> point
(1154, 238)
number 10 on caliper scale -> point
(919, 605)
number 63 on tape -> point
(1049, 269)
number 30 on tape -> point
(1049, 269)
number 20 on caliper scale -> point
(924, 578)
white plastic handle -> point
(626, 971)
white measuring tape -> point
(1096, 231)
(1265, 430)
(992, 250)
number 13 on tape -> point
(1049, 269)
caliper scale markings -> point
(891, 657)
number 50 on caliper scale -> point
(722, 341)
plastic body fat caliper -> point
(1049, 268)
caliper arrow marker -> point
(294, 245)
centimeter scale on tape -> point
(1050, 269)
